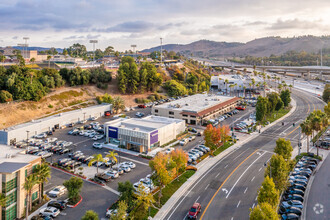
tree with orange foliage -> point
(163, 166)
(213, 136)
(180, 158)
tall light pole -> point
(26, 45)
(161, 51)
(133, 48)
(93, 42)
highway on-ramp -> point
(229, 189)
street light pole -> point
(161, 51)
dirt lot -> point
(61, 99)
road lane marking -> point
(257, 198)
(226, 166)
(238, 203)
(224, 190)
(253, 178)
(224, 183)
(253, 205)
(232, 218)
(243, 174)
(197, 198)
(185, 217)
(299, 126)
(207, 186)
(240, 154)
(217, 175)
(260, 169)
(245, 190)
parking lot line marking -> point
(238, 203)
(197, 198)
(252, 179)
(185, 217)
(111, 190)
(82, 141)
(245, 190)
(260, 169)
(226, 166)
(217, 175)
(207, 186)
(136, 161)
(232, 218)
(257, 198)
(253, 205)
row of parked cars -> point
(293, 198)
(47, 147)
(197, 152)
(161, 101)
(93, 130)
(115, 171)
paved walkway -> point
(206, 164)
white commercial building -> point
(235, 83)
(143, 134)
(196, 109)
(24, 131)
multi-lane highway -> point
(230, 187)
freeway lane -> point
(227, 173)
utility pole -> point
(93, 42)
(299, 141)
(161, 51)
(26, 45)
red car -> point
(194, 210)
(241, 108)
(141, 106)
(107, 113)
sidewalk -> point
(206, 165)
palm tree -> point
(239, 91)
(96, 158)
(264, 84)
(235, 85)
(118, 103)
(113, 156)
(250, 84)
(42, 171)
(226, 81)
(32, 60)
(230, 86)
(306, 128)
(29, 183)
(244, 88)
(48, 58)
(253, 83)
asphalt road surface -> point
(230, 187)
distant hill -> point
(60, 50)
(259, 47)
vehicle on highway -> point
(61, 205)
(290, 216)
(97, 145)
(49, 211)
(57, 191)
(194, 211)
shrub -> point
(191, 168)
(50, 106)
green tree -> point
(285, 97)
(30, 182)
(278, 169)
(121, 211)
(32, 60)
(113, 156)
(5, 96)
(268, 193)
(108, 51)
(42, 171)
(126, 191)
(175, 88)
(327, 109)
(2, 58)
(261, 108)
(326, 93)
(306, 128)
(73, 185)
(2, 200)
(128, 76)
(90, 215)
(144, 199)
(273, 99)
(96, 158)
(143, 80)
(283, 148)
(153, 79)
(263, 211)
(118, 103)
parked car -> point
(61, 205)
(97, 145)
(290, 216)
(299, 177)
(287, 197)
(199, 152)
(130, 164)
(194, 211)
(125, 168)
(191, 138)
(57, 191)
(142, 106)
(64, 151)
(241, 108)
(298, 186)
(184, 141)
(139, 114)
(112, 173)
(40, 136)
(49, 211)
(292, 203)
(103, 177)
(300, 182)
(295, 191)
(290, 209)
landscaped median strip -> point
(206, 167)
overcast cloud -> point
(121, 23)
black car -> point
(290, 216)
(300, 182)
(301, 173)
(64, 151)
(61, 205)
(298, 186)
(288, 197)
(295, 191)
(49, 133)
(291, 209)
(88, 127)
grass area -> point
(171, 188)
(276, 115)
(153, 211)
(298, 157)
(66, 95)
(222, 148)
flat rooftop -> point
(12, 159)
(195, 103)
(147, 124)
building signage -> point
(113, 132)
(153, 137)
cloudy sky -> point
(121, 23)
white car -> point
(184, 142)
(147, 182)
(42, 135)
(94, 118)
(97, 145)
(191, 138)
(130, 164)
(57, 191)
(51, 140)
(112, 173)
(200, 153)
(145, 188)
(125, 168)
(50, 211)
(98, 137)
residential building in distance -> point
(143, 134)
(15, 166)
(196, 109)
